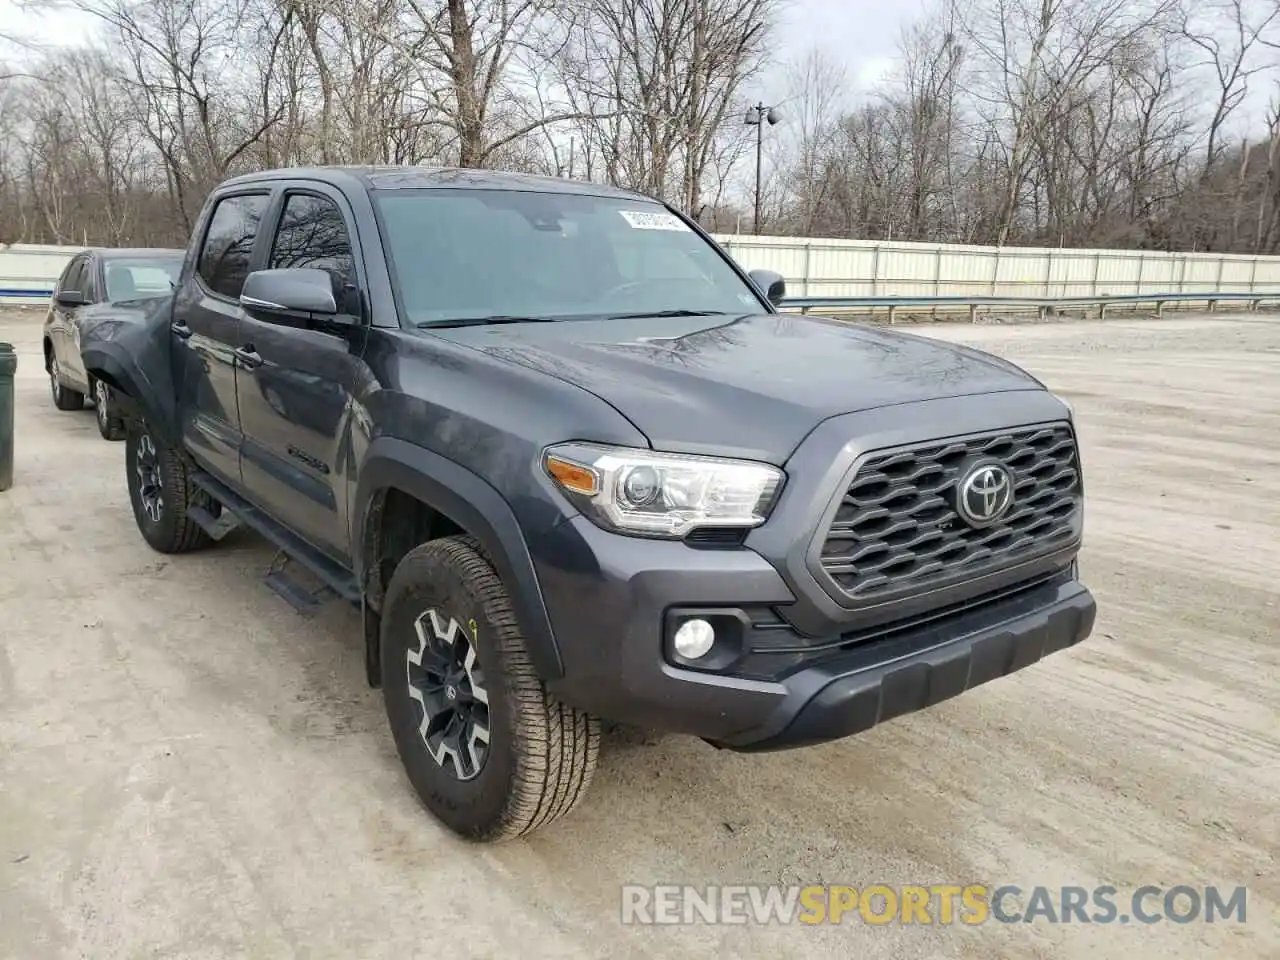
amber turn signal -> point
(573, 476)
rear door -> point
(206, 325)
(90, 286)
(56, 323)
(295, 396)
(62, 332)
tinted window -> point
(313, 234)
(138, 278)
(73, 276)
(228, 244)
(88, 280)
(471, 253)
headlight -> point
(650, 494)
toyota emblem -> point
(984, 494)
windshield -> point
(459, 254)
(138, 278)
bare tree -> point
(659, 80)
(1005, 121)
(924, 109)
(816, 92)
(1034, 57)
(1228, 35)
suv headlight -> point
(649, 494)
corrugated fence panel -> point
(29, 271)
(1202, 275)
(1118, 274)
(1069, 276)
(1268, 274)
(885, 268)
(1019, 273)
(1160, 273)
(853, 268)
(1237, 276)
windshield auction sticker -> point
(644, 220)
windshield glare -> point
(459, 254)
(139, 278)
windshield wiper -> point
(666, 313)
(483, 321)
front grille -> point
(896, 529)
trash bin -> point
(8, 364)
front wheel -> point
(160, 491)
(488, 750)
(64, 398)
(109, 425)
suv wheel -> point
(161, 492)
(109, 425)
(63, 397)
(488, 750)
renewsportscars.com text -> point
(935, 904)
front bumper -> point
(889, 678)
(609, 598)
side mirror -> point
(69, 298)
(291, 290)
(771, 284)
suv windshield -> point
(139, 278)
(460, 254)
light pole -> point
(757, 116)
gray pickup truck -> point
(572, 463)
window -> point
(472, 253)
(228, 243)
(85, 280)
(313, 234)
(73, 275)
(134, 278)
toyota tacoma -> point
(572, 463)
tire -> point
(64, 398)
(160, 492)
(537, 757)
(109, 425)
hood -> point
(750, 386)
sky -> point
(859, 34)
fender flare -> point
(475, 506)
(107, 361)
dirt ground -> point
(190, 769)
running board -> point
(287, 587)
(332, 576)
(216, 527)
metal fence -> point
(873, 268)
(28, 272)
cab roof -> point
(121, 253)
(427, 178)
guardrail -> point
(1042, 304)
(892, 304)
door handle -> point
(180, 329)
(248, 356)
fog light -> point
(694, 639)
